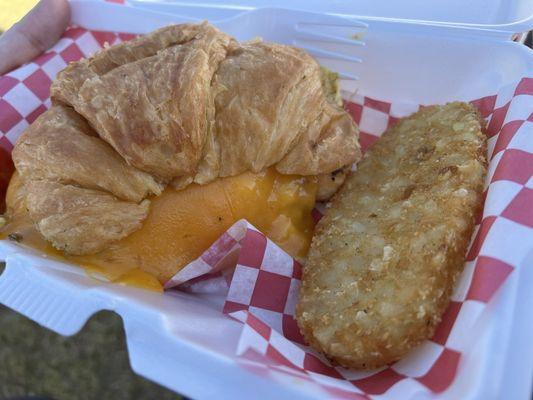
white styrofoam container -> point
(170, 337)
(504, 15)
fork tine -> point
(310, 18)
(315, 51)
(309, 34)
(312, 26)
(347, 76)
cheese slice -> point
(182, 224)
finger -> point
(35, 33)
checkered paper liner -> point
(262, 288)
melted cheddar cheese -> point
(182, 224)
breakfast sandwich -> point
(154, 147)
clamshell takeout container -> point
(211, 343)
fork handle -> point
(104, 16)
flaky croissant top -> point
(186, 103)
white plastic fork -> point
(323, 36)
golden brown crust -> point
(71, 79)
(385, 257)
(288, 120)
(151, 110)
(16, 197)
(184, 103)
(78, 220)
(327, 144)
(59, 146)
(269, 94)
(188, 101)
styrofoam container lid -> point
(504, 15)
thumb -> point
(35, 33)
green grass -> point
(91, 365)
(11, 11)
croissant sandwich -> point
(181, 110)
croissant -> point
(186, 103)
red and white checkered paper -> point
(262, 288)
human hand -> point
(33, 34)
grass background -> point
(13, 10)
(91, 365)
